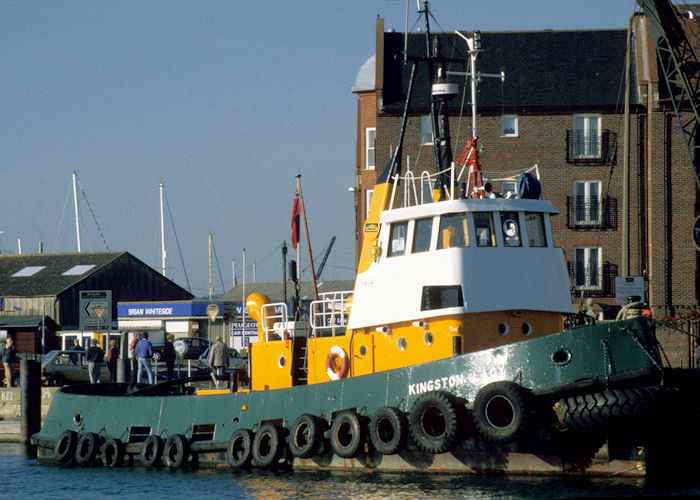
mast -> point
(308, 241)
(211, 287)
(162, 229)
(75, 206)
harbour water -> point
(24, 478)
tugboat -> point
(438, 360)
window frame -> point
(370, 148)
(583, 152)
(515, 126)
(390, 252)
(426, 130)
(587, 219)
(587, 250)
(369, 193)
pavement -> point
(10, 431)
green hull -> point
(578, 361)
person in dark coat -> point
(95, 355)
(7, 358)
(112, 356)
(169, 356)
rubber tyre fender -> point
(388, 430)
(239, 449)
(612, 406)
(305, 436)
(500, 411)
(433, 421)
(113, 453)
(267, 445)
(65, 446)
(347, 435)
(86, 449)
(176, 451)
(151, 451)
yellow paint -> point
(254, 306)
(370, 231)
(270, 364)
(209, 392)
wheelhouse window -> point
(535, 230)
(483, 225)
(587, 136)
(426, 131)
(587, 202)
(587, 268)
(453, 231)
(441, 297)
(397, 244)
(511, 229)
(508, 186)
(370, 148)
(509, 126)
(421, 235)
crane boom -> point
(681, 72)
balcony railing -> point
(594, 280)
(591, 149)
(586, 214)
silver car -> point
(59, 368)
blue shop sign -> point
(166, 310)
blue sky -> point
(223, 102)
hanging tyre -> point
(346, 434)
(434, 421)
(239, 449)
(113, 453)
(305, 436)
(613, 406)
(500, 411)
(387, 430)
(65, 446)
(151, 450)
(176, 451)
(267, 445)
(86, 449)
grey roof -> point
(50, 280)
(275, 291)
(365, 77)
(544, 69)
(24, 321)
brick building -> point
(560, 107)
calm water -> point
(22, 478)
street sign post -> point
(94, 309)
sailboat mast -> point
(162, 229)
(75, 206)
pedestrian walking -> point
(8, 355)
(169, 356)
(144, 352)
(132, 356)
(218, 358)
(95, 355)
(112, 356)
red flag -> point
(296, 211)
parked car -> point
(68, 367)
(235, 361)
(190, 347)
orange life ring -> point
(337, 352)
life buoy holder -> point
(337, 352)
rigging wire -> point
(99, 229)
(177, 241)
(60, 222)
(218, 267)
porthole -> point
(363, 350)
(78, 418)
(503, 329)
(428, 338)
(401, 344)
(281, 361)
(527, 329)
(561, 356)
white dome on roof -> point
(365, 77)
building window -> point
(368, 201)
(370, 148)
(397, 244)
(484, 229)
(587, 202)
(509, 126)
(587, 136)
(426, 131)
(587, 268)
(453, 231)
(421, 235)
